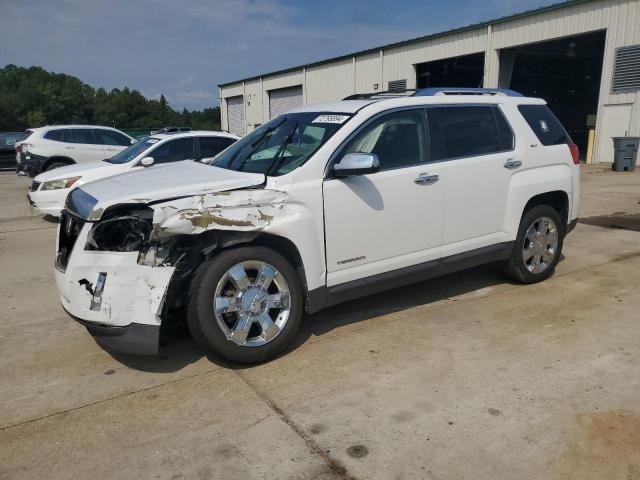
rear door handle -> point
(426, 179)
(511, 164)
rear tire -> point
(538, 246)
(245, 304)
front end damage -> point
(120, 274)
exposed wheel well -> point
(210, 243)
(288, 250)
(558, 200)
(65, 160)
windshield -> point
(133, 151)
(281, 145)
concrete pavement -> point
(466, 376)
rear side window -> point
(507, 140)
(467, 131)
(79, 135)
(54, 135)
(544, 124)
(109, 137)
(211, 146)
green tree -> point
(32, 97)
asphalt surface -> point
(466, 376)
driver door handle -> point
(426, 179)
(511, 164)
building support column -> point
(224, 124)
(304, 85)
(381, 87)
(634, 121)
(491, 63)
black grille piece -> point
(34, 186)
(70, 227)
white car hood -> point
(160, 182)
(79, 169)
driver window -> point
(398, 139)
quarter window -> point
(173, 151)
(466, 131)
(544, 124)
(398, 139)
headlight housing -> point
(59, 184)
(121, 232)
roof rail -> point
(433, 91)
(427, 92)
(383, 94)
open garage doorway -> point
(566, 73)
(463, 71)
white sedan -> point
(50, 189)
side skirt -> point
(324, 297)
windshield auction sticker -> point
(331, 119)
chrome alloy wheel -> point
(252, 303)
(540, 245)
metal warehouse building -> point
(582, 56)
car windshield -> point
(133, 151)
(282, 144)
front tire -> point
(538, 246)
(245, 304)
(55, 164)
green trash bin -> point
(625, 152)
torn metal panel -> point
(239, 210)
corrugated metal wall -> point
(358, 74)
(335, 81)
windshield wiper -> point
(280, 153)
(256, 143)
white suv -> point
(46, 148)
(49, 190)
(318, 206)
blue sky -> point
(185, 48)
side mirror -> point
(133, 140)
(147, 161)
(356, 164)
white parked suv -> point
(49, 190)
(46, 148)
(318, 206)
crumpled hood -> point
(160, 182)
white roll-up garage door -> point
(284, 99)
(235, 115)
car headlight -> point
(121, 232)
(58, 184)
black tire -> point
(55, 164)
(201, 318)
(516, 267)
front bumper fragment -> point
(135, 338)
(119, 301)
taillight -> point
(575, 153)
(18, 148)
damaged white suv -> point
(318, 206)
